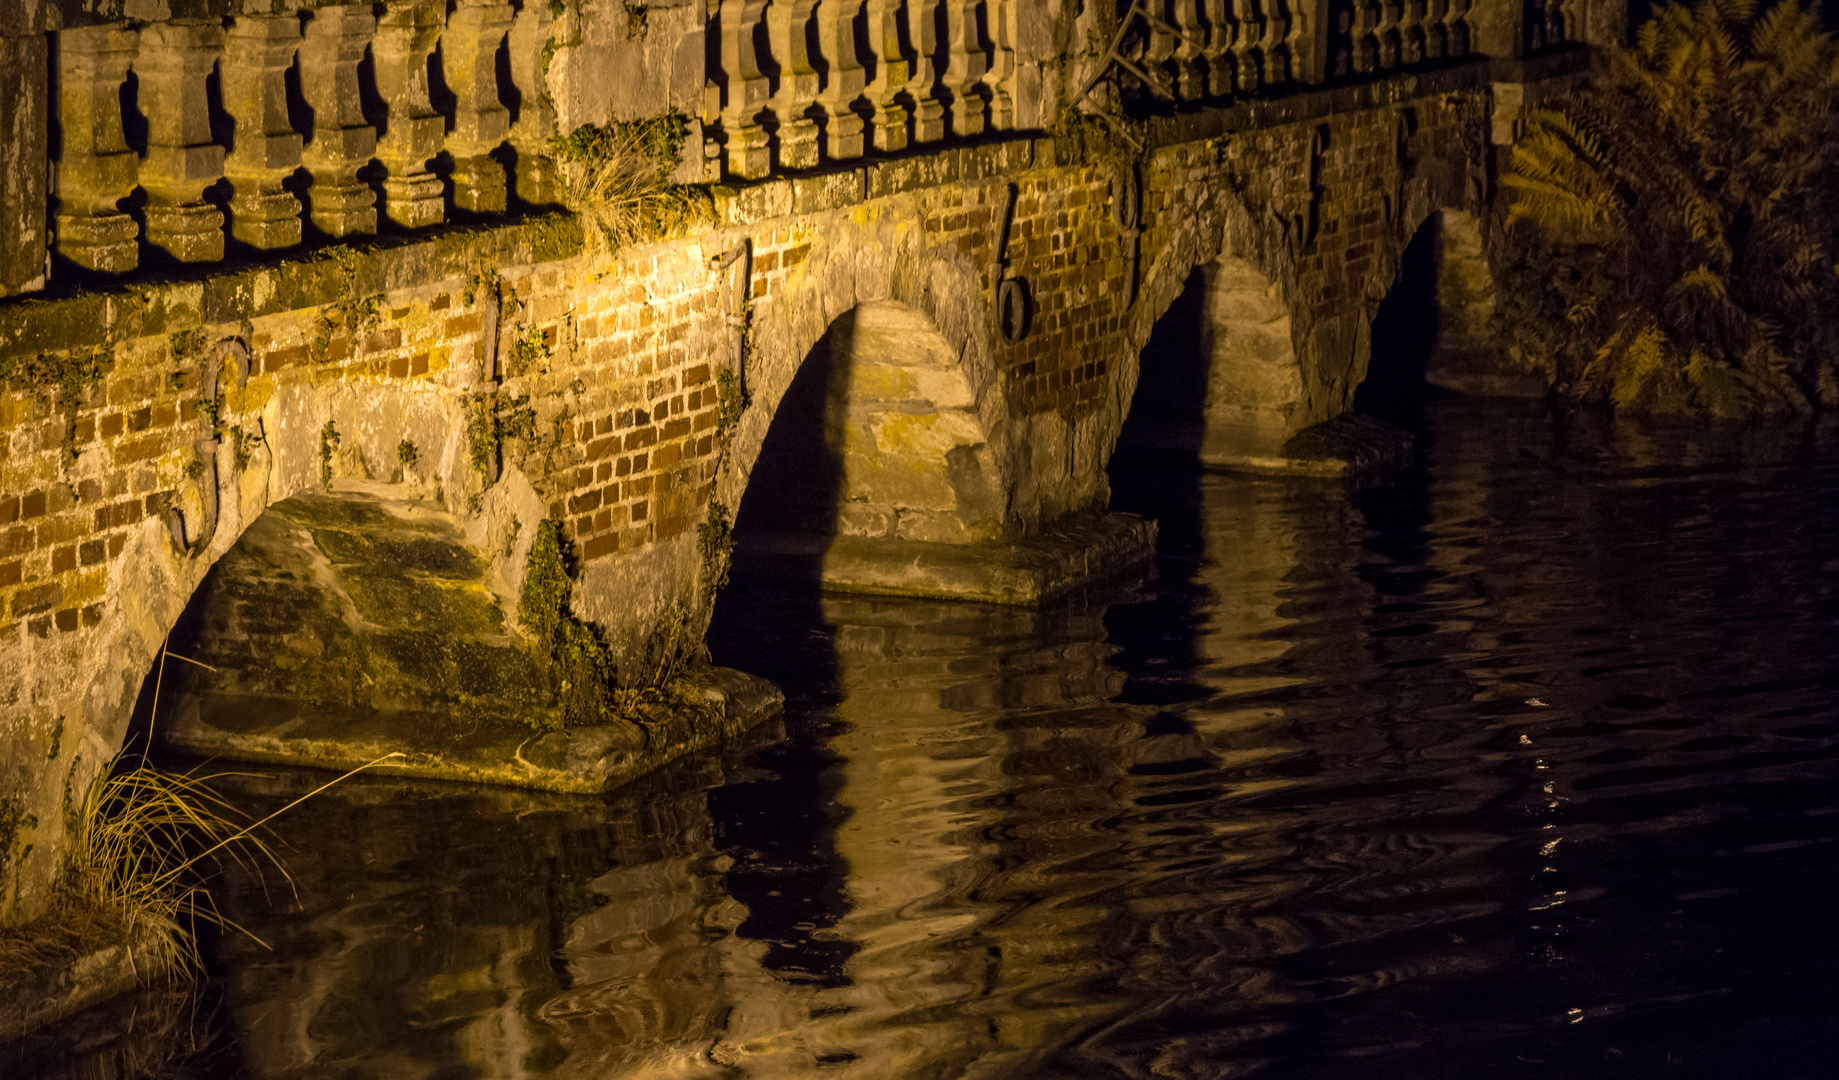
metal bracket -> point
(1115, 58)
(735, 292)
(1013, 304)
(1127, 214)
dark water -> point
(1522, 764)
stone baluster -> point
(1456, 39)
(1188, 62)
(1365, 37)
(412, 131)
(966, 62)
(95, 170)
(844, 79)
(1247, 46)
(893, 71)
(264, 148)
(1286, 58)
(787, 26)
(1158, 56)
(537, 183)
(746, 90)
(999, 81)
(923, 85)
(174, 60)
(481, 122)
(1436, 37)
(341, 142)
(1385, 35)
(1413, 46)
(1217, 56)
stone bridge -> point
(909, 330)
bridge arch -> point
(878, 435)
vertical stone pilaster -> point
(469, 63)
(537, 184)
(342, 143)
(412, 132)
(25, 121)
(787, 25)
(923, 85)
(965, 65)
(844, 130)
(182, 160)
(893, 69)
(265, 148)
(746, 90)
(95, 169)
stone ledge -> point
(1076, 550)
(1348, 445)
(45, 994)
(1315, 104)
(483, 750)
(72, 317)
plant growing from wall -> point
(529, 349)
(483, 280)
(580, 671)
(715, 545)
(730, 402)
(328, 445)
(1680, 213)
(618, 179)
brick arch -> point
(153, 583)
(1256, 385)
(868, 286)
(879, 436)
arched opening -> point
(1218, 381)
(1433, 334)
(343, 625)
(1404, 335)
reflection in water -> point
(1522, 766)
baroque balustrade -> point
(260, 128)
(185, 139)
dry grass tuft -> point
(618, 179)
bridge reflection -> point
(977, 787)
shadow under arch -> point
(1404, 334)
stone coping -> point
(1078, 549)
(95, 314)
(714, 704)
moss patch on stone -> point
(579, 669)
(13, 820)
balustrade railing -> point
(226, 146)
(1370, 37)
(193, 137)
(802, 82)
